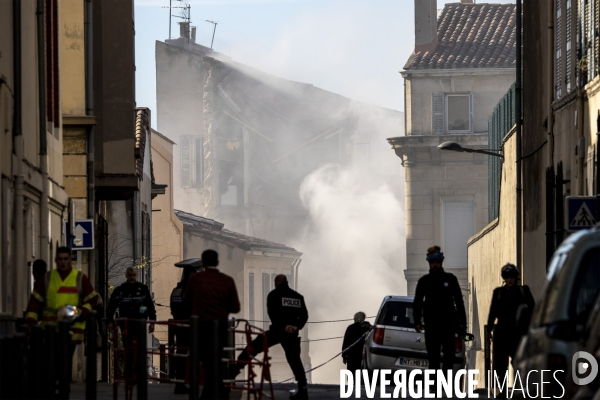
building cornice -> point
(564, 101)
(592, 87)
(471, 139)
(457, 72)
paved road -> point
(165, 392)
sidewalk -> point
(165, 392)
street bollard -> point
(141, 361)
(171, 344)
(163, 360)
(35, 360)
(91, 360)
(49, 359)
(194, 357)
(487, 356)
(64, 357)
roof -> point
(471, 36)
(213, 230)
(155, 132)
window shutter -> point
(437, 113)
(186, 176)
(471, 129)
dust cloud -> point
(351, 245)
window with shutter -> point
(458, 113)
(266, 288)
(568, 47)
(251, 314)
(186, 168)
(458, 226)
(437, 113)
(558, 77)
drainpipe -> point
(89, 110)
(581, 143)
(550, 80)
(44, 211)
(519, 93)
(19, 265)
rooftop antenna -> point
(186, 11)
(214, 29)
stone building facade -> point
(454, 78)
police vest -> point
(131, 301)
(178, 307)
(61, 293)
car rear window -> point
(397, 313)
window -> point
(192, 161)
(458, 225)
(586, 287)
(451, 113)
(251, 314)
(231, 183)
(266, 288)
(399, 314)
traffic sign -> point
(581, 213)
(83, 234)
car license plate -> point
(411, 362)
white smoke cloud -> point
(351, 254)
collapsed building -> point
(246, 139)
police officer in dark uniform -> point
(288, 314)
(352, 356)
(134, 300)
(506, 300)
(439, 300)
(181, 310)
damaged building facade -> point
(246, 139)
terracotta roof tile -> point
(471, 36)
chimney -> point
(425, 24)
(184, 30)
(193, 34)
(467, 2)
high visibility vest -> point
(61, 293)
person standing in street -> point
(443, 310)
(213, 297)
(352, 357)
(506, 300)
(288, 313)
(63, 286)
(181, 311)
(134, 301)
(38, 270)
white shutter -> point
(458, 227)
(437, 113)
(186, 172)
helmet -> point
(510, 271)
(434, 253)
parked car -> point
(560, 315)
(393, 342)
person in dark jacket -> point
(288, 314)
(438, 299)
(506, 300)
(181, 311)
(352, 357)
(213, 297)
(133, 299)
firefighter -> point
(180, 310)
(506, 300)
(63, 286)
(443, 310)
(288, 314)
(353, 356)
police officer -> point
(133, 299)
(506, 300)
(181, 310)
(352, 356)
(443, 310)
(288, 314)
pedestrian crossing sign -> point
(581, 213)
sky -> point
(352, 47)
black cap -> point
(190, 262)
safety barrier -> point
(249, 384)
(131, 364)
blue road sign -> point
(581, 213)
(83, 234)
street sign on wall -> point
(581, 213)
(83, 234)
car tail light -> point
(458, 344)
(378, 335)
